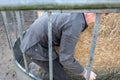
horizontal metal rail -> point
(58, 4)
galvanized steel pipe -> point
(93, 44)
(50, 46)
(58, 4)
(7, 28)
(21, 36)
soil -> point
(7, 71)
(7, 66)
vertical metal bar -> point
(6, 28)
(35, 14)
(7, 31)
(21, 36)
(13, 22)
(22, 18)
(50, 46)
(19, 24)
(93, 45)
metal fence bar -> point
(58, 4)
(19, 24)
(13, 22)
(35, 14)
(90, 10)
(7, 28)
(93, 45)
(21, 36)
(50, 46)
(22, 18)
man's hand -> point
(92, 75)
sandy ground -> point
(7, 71)
(7, 66)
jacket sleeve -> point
(70, 34)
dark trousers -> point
(58, 71)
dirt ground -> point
(7, 71)
(7, 67)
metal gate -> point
(95, 6)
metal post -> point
(13, 22)
(35, 14)
(6, 28)
(93, 45)
(21, 36)
(22, 18)
(50, 46)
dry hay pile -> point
(107, 53)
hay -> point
(107, 52)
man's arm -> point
(70, 34)
(69, 39)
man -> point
(66, 28)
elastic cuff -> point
(85, 70)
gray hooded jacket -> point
(66, 28)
